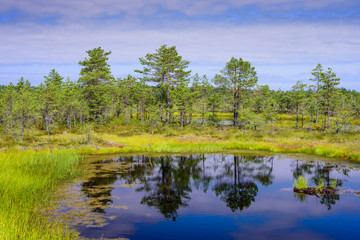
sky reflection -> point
(217, 196)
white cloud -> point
(205, 43)
(90, 8)
(282, 52)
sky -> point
(283, 39)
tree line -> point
(167, 94)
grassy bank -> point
(187, 143)
(27, 181)
(30, 172)
(135, 138)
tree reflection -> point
(98, 188)
(168, 188)
(239, 193)
(236, 196)
(321, 171)
(264, 171)
(105, 173)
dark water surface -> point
(216, 196)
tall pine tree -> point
(94, 75)
(166, 68)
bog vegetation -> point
(27, 180)
(165, 109)
(167, 95)
(168, 108)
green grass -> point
(27, 182)
(301, 182)
(28, 178)
(320, 185)
(333, 183)
(110, 143)
(114, 138)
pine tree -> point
(237, 76)
(48, 95)
(73, 105)
(329, 91)
(94, 75)
(24, 107)
(318, 74)
(299, 99)
(181, 95)
(166, 68)
(7, 109)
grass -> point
(27, 181)
(30, 171)
(301, 182)
(333, 183)
(343, 146)
(117, 138)
(320, 184)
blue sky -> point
(283, 39)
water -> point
(218, 196)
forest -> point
(51, 131)
(169, 95)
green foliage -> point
(164, 66)
(320, 185)
(99, 115)
(98, 98)
(333, 183)
(299, 100)
(94, 80)
(17, 108)
(167, 68)
(73, 104)
(301, 182)
(48, 98)
(237, 76)
(27, 182)
(88, 131)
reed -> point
(27, 181)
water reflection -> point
(168, 188)
(235, 183)
(150, 188)
(321, 171)
(166, 181)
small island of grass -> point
(301, 186)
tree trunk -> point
(182, 118)
(297, 116)
(328, 115)
(125, 112)
(302, 119)
(203, 111)
(235, 171)
(142, 112)
(317, 104)
(236, 109)
(168, 99)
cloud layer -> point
(281, 34)
(205, 43)
(92, 8)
